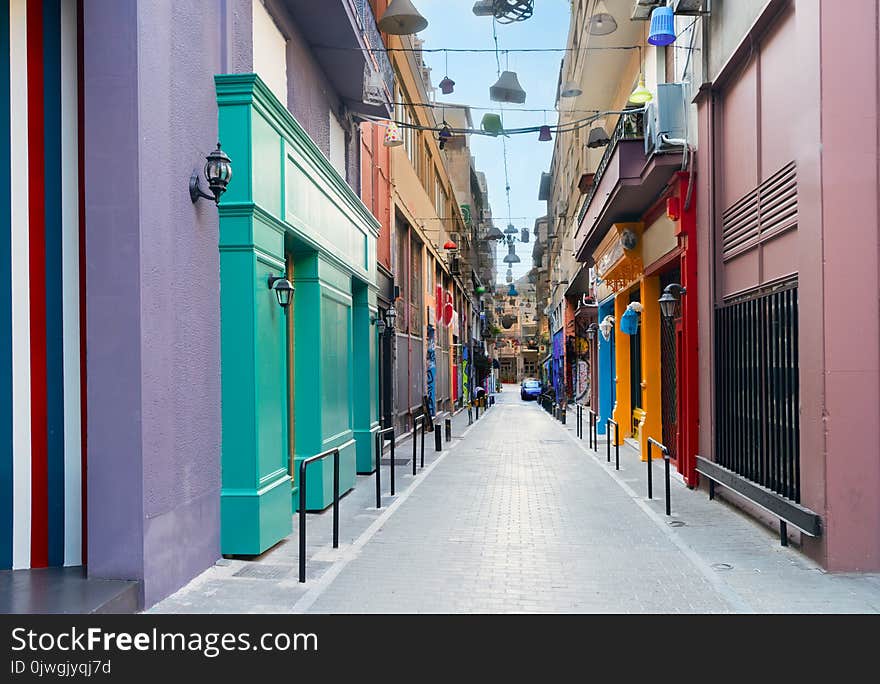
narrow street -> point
(518, 515)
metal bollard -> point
(422, 465)
(650, 470)
(416, 422)
(438, 438)
(562, 418)
(607, 442)
(477, 407)
(448, 425)
(666, 467)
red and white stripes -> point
(43, 231)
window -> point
(440, 198)
(270, 52)
(400, 278)
(415, 288)
(337, 145)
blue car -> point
(530, 389)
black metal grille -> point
(756, 382)
(668, 385)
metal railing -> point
(654, 443)
(417, 421)
(629, 127)
(594, 435)
(302, 505)
(379, 449)
(608, 423)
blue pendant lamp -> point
(662, 27)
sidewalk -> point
(270, 583)
(518, 515)
(763, 575)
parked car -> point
(529, 389)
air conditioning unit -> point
(690, 7)
(665, 118)
(643, 8)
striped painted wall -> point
(42, 439)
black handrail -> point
(654, 443)
(608, 423)
(302, 505)
(379, 450)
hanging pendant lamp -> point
(544, 134)
(447, 85)
(401, 19)
(511, 229)
(509, 278)
(491, 124)
(570, 89)
(641, 95)
(602, 22)
(512, 292)
(507, 89)
(393, 138)
(524, 235)
(662, 27)
(598, 137)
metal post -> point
(616, 449)
(783, 532)
(414, 433)
(448, 425)
(666, 465)
(302, 521)
(423, 444)
(650, 489)
(711, 490)
(392, 467)
(477, 407)
(563, 415)
(336, 498)
(438, 438)
(379, 445)
(608, 441)
(470, 415)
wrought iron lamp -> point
(282, 288)
(670, 301)
(218, 173)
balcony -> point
(627, 182)
(346, 43)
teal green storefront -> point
(287, 210)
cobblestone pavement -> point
(518, 515)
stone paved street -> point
(517, 515)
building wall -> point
(837, 210)
(154, 444)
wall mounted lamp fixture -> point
(282, 288)
(670, 300)
(218, 173)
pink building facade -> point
(788, 197)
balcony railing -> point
(630, 126)
(374, 41)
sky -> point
(452, 24)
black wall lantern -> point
(283, 289)
(385, 324)
(670, 301)
(218, 173)
(591, 332)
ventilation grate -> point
(769, 209)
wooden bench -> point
(787, 511)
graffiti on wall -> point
(465, 373)
(431, 366)
(583, 382)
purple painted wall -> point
(153, 322)
(152, 284)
